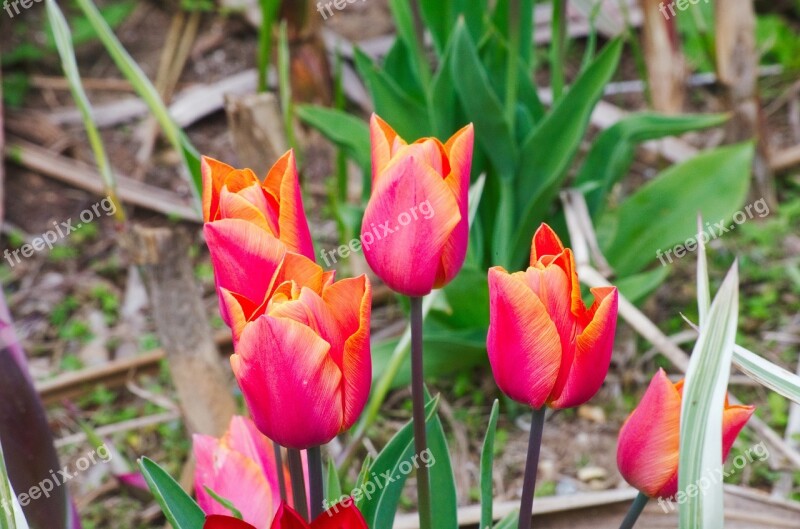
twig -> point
(123, 426)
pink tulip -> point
(413, 251)
(545, 346)
(649, 441)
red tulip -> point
(647, 453)
(275, 205)
(304, 363)
(415, 228)
(544, 345)
(338, 517)
(241, 468)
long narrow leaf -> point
(7, 499)
(134, 74)
(487, 464)
(704, 395)
(63, 41)
(767, 374)
(181, 510)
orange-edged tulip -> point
(274, 205)
(338, 517)
(303, 358)
(241, 468)
(545, 346)
(415, 228)
(647, 453)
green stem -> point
(557, 48)
(635, 511)
(531, 469)
(298, 483)
(315, 479)
(418, 400)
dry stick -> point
(84, 176)
(182, 326)
(737, 68)
(784, 485)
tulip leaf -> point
(662, 212)
(333, 486)
(509, 522)
(142, 85)
(344, 130)
(637, 287)
(487, 464)
(482, 105)
(179, 508)
(549, 149)
(404, 22)
(7, 519)
(408, 116)
(228, 504)
(379, 506)
(612, 153)
(704, 394)
(444, 511)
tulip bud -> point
(649, 441)
(415, 228)
(545, 346)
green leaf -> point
(342, 129)
(63, 41)
(550, 148)
(637, 287)
(228, 504)
(7, 519)
(704, 393)
(767, 374)
(487, 464)
(145, 89)
(333, 486)
(444, 510)
(404, 22)
(408, 116)
(509, 522)
(713, 183)
(379, 507)
(482, 105)
(612, 153)
(180, 509)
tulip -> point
(647, 453)
(304, 363)
(545, 346)
(274, 205)
(338, 517)
(412, 250)
(241, 468)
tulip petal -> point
(214, 173)
(459, 151)
(523, 343)
(232, 476)
(245, 257)
(733, 420)
(243, 437)
(282, 366)
(407, 258)
(647, 453)
(216, 521)
(351, 303)
(287, 518)
(545, 242)
(236, 311)
(592, 357)
(340, 517)
(283, 184)
(384, 141)
(238, 206)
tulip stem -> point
(298, 482)
(315, 477)
(418, 399)
(279, 465)
(531, 469)
(635, 511)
